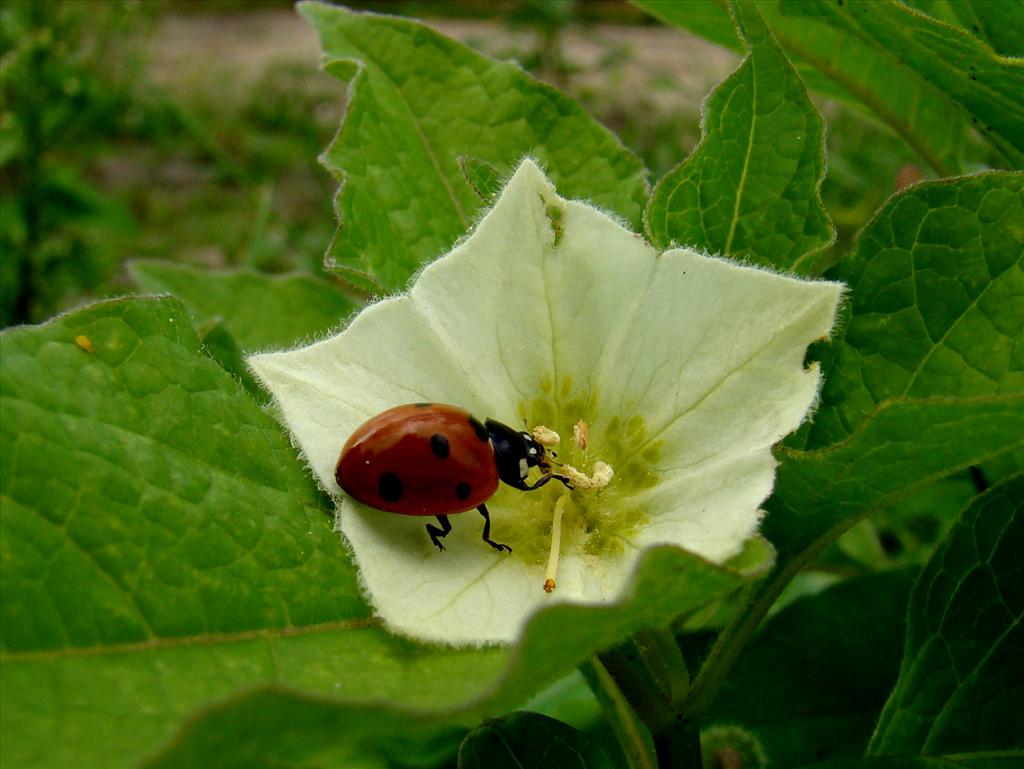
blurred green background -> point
(190, 131)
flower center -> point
(598, 522)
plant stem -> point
(633, 737)
(665, 663)
(759, 599)
(650, 674)
(678, 744)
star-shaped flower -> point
(685, 369)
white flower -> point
(686, 368)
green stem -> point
(633, 737)
(678, 744)
(650, 673)
(665, 663)
(733, 639)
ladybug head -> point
(515, 453)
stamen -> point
(581, 434)
(556, 543)
(601, 477)
(545, 436)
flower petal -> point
(687, 368)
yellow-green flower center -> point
(596, 522)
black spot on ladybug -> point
(463, 490)
(423, 405)
(390, 486)
(478, 428)
(439, 445)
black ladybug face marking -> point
(390, 486)
(439, 445)
(478, 428)
(423, 405)
(463, 490)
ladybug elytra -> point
(438, 460)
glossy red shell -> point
(396, 462)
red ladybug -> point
(433, 459)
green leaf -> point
(812, 682)
(750, 189)
(260, 311)
(984, 85)
(529, 739)
(1000, 24)
(907, 533)
(220, 345)
(427, 100)
(906, 445)
(936, 283)
(924, 762)
(426, 687)
(154, 520)
(841, 65)
(708, 18)
(569, 699)
(961, 684)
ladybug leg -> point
(487, 531)
(548, 477)
(436, 534)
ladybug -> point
(434, 459)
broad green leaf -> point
(708, 18)
(839, 64)
(936, 286)
(961, 684)
(258, 310)
(813, 680)
(1000, 24)
(907, 533)
(750, 189)
(983, 84)
(425, 688)
(905, 445)
(419, 101)
(1002, 467)
(524, 739)
(162, 547)
(147, 505)
(1009, 761)
(220, 344)
(569, 699)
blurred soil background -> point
(190, 131)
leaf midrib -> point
(202, 639)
